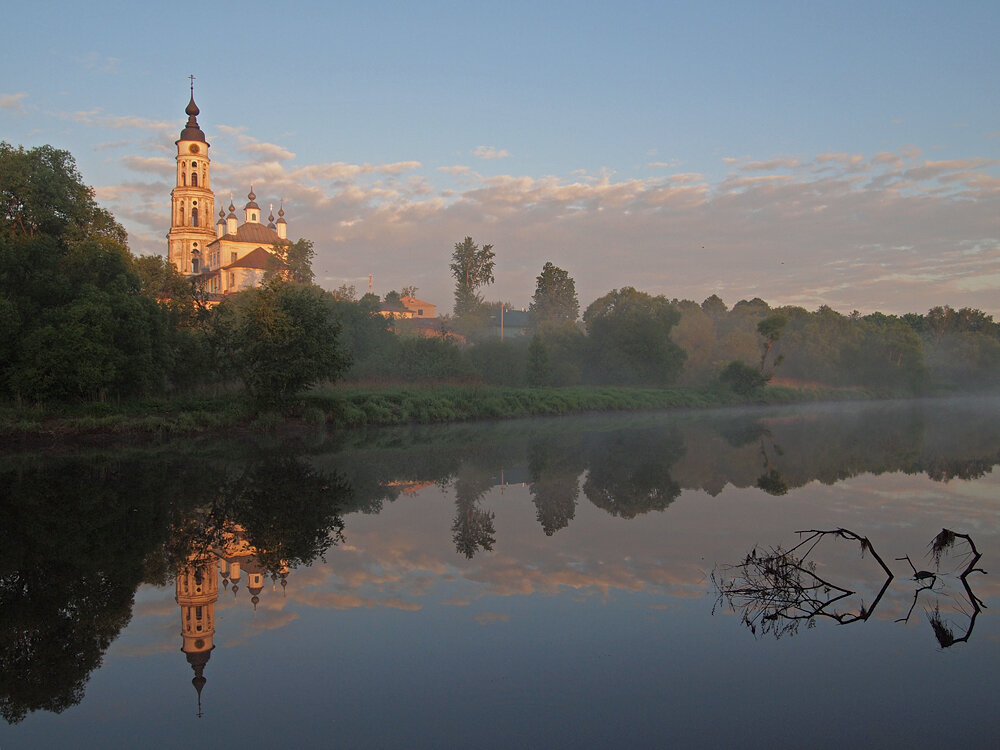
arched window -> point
(184, 179)
(180, 217)
(194, 179)
(194, 217)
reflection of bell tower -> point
(192, 202)
(197, 593)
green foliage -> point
(554, 301)
(770, 329)
(293, 261)
(630, 339)
(499, 362)
(742, 378)
(78, 323)
(539, 372)
(42, 193)
(472, 268)
(280, 338)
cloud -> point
(488, 152)
(155, 164)
(14, 102)
(673, 164)
(117, 122)
(97, 61)
(770, 165)
(268, 151)
(811, 230)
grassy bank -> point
(355, 406)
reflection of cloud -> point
(342, 600)
(273, 619)
(491, 618)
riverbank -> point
(351, 406)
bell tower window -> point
(194, 179)
(194, 217)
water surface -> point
(544, 583)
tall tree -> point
(770, 329)
(472, 268)
(555, 298)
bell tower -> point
(192, 202)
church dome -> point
(192, 131)
(252, 197)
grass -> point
(349, 406)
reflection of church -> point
(232, 255)
(197, 589)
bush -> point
(741, 378)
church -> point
(232, 255)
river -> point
(632, 580)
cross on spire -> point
(192, 83)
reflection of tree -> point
(630, 472)
(72, 547)
(287, 510)
(777, 590)
(472, 529)
(944, 629)
(290, 511)
(555, 471)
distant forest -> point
(83, 319)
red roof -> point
(259, 258)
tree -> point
(555, 300)
(742, 378)
(76, 322)
(346, 292)
(294, 260)
(770, 329)
(630, 339)
(408, 291)
(280, 338)
(539, 372)
(41, 192)
(472, 268)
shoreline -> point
(351, 407)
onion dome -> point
(270, 218)
(252, 197)
(281, 216)
(232, 208)
(192, 131)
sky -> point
(843, 154)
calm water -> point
(522, 584)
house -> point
(509, 323)
(419, 307)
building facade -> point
(233, 254)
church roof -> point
(253, 232)
(258, 258)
